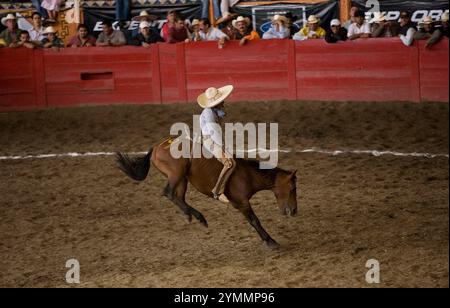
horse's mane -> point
(254, 165)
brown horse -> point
(246, 180)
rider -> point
(212, 102)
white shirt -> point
(355, 29)
(213, 34)
(272, 33)
(36, 35)
(209, 124)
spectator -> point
(244, 32)
(122, 10)
(278, 29)
(353, 10)
(311, 31)
(205, 9)
(336, 32)
(178, 33)
(146, 36)
(52, 7)
(37, 32)
(428, 32)
(51, 40)
(208, 33)
(143, 16)
(11, 34)
(406, 29)
(195, 30)
(360, 28)
(39, 9)
(381, 27)
(109, 36)
(291, 19)
(24, 41)
(82, 39)
(444, 24)
(172, 16)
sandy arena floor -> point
(352, 207)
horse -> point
(202, 173)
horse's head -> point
(285, 190)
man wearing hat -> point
(212, 101)
(51, 40)
(312, 30)
(381, 27)
(278, 29)
(11, 34)
(406, 29)
(428, 32)
(360, 28)
(336, 32)
(243, 31)
(146, 36)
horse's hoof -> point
(272, 244)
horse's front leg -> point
(251, 217)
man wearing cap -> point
(146, 36)
(11, 34)
(381, 27)
(406, 29)
(278, 29)
(243, 31)
(312, 30)
(212, 101)
(428, 32)
(82, 39)
(109, 36)
(360, 28)
(336, 32)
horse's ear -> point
(293, 173)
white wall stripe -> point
(375, 153)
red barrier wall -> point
(364, 70)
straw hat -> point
(49, 30)
(427, 20)
(213, 97)
(312, 19)
(279, 18)
(8, 17)
(444, 17)
(195, 22)
(378, 17)
(239, 19)
(144, 16)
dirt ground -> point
(351, 207)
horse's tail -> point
(136, 168)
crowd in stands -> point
(227, 27)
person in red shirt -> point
(179, 32)
(172, 16)
(82, 39)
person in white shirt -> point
(278, 30)
(208, 33)
(360, 28)
(212, 101)
(37, 32)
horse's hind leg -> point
(177, 196)
(251, 217)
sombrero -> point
(49, 30)
(239, 19)
(213, 97)
(378, 17)
(312, 19)
(144, 16)
(8, 17)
